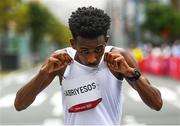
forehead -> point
(88, 42)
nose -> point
(91, 58)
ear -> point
(106, 39)
(73, 43)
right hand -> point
(57, 62)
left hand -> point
(117, 63)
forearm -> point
(149, 94)
(27, 94)
(125, 65)
(54, 65)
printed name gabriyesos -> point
(80, 90)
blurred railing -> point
(159, 65)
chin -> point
(92, 64)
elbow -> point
(21, 104)
(158, 108)
(18, 106)
(18, 109)
(158, 105)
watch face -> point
(137, 73)
(136, 76)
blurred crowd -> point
(163, 60)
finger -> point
(52, 63)
(105, 57)
(111, 67)
(58, 56)
(56, 60)
(111, 59)
(59, 67)
(53, 60)
(56, 67)
(108, 58)
(118, 61)
(68, 59)
(64, 57)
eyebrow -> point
(84, 48)
(99, 45)
(88, 48)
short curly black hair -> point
(89, 22)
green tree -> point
(7, 11)
(162, 20)
(37, 19)
(58, 32)
(22, 18)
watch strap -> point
(135, 76)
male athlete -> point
(91, 74)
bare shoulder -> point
(127, 54)
(122, 51)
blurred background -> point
(30, 30)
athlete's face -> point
(89, 51)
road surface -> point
(47, 108)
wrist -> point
(129, 72)
(43, 71)
(134, 75)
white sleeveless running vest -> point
(109, 110)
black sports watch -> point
(135, 76)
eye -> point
(84, 51)
(99, 49)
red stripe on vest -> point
(85, 106)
